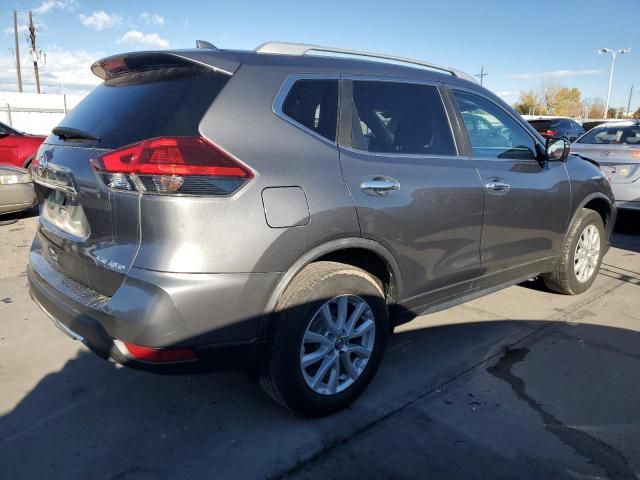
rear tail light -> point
(159, 355)
(549, 133)
(174, 165)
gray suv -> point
(281, 212)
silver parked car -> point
(616, 147)
(16, 189)
(280, 211)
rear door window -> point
(145, 104)
(314, 105)
(401, 118)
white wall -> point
(50, 106)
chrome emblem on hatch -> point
(605, 153)
(42, 165)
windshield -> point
(622, 135)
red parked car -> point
(17, 148)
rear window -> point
(629, 135)
(541, 125)
(314, 104)
(146, 104)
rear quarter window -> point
(314, 105)
(146, 104)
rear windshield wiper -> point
(67, 133)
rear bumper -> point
(218, 318)
(626, 193)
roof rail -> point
(286, 48)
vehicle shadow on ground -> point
(626, 230)
(91, 417)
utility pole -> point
(482, 74)
(32, 36)
(629, 102)
(15, 32)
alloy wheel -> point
(587, 253)
(337, 344)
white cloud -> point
(152, 18)
(49, 5)
(554, 74)
(147, 40)
(507, 94)
(100, 20)
(69, 67)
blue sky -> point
(520, 43)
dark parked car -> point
(279, 211)
(558, 127)
(17, 148)
(616, 147)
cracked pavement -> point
(522, 383)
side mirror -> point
(557, 149)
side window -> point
(494, 134)
(393, 117)
(314, 104)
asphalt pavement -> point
(523, 384)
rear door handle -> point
(379, 186)
(497, 186)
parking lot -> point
(522, 383)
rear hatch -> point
(621, 163)
(89, 228)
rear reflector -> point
(159, 355)
(174, 165)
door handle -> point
(379, 186)
(497, 186)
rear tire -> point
(330, 333)
(581, 255)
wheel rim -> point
(337, 344)
(587, 254)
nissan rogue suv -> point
(279, 211)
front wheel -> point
(330, 333)
(579, 261)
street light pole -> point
(613, 53)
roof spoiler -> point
(217, 60)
